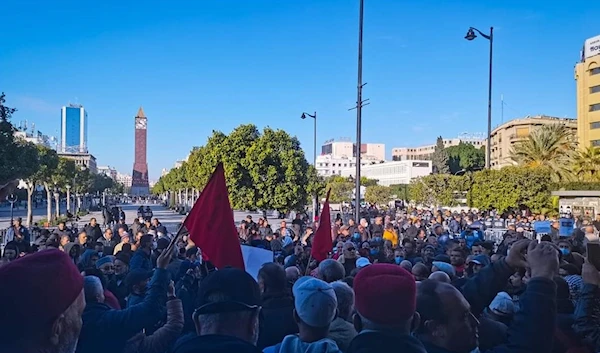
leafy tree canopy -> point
(440, 159)
(465, 157)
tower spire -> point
(140, 113)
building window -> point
(595, 89)
(595, 71)
(595, 143)
(595, 107)
(595, 125)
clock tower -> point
(139, 182)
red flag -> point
(211, 224)
(322, 244)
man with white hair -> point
(42, 325)
(341, 330)
(331, 271)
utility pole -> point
(359, 105)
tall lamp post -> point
(314, 117)
(12, 198)
(470, 36)
(56, 199)
(359, 105)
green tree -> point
(17, 157)
(265, 170)
(465, 157)
(586, 165)
(438, 189)
(551, 147)
(439, 159)
(378, 195)
(341, 189)
(278, 170)
(511, 188)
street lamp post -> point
(470, 36)
(315, 196)
(12, 198)
(359, 105)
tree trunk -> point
(30, 189)
(68, 200)
(49, 199)
(56, 199)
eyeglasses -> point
(351, 249)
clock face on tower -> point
(140, 124)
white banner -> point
(254, 258)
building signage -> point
(591, 47)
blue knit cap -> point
(104, 260)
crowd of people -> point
(420, 282)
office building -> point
(124, 179)
(108, 171)
(507, 134)
(328, 165)
(73, 129)
(81, 160)
(30, 134)
(426, 151)
(587, 75)
(347, 149)
(392, 173)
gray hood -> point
(293, 344)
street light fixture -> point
(68, 187)
(470, 36)
(314, 116)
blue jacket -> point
(107, 330)
(140, 260)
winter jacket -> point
(94, 233)
(293, 344)
(214, 344)
(162, 338)
(107, 330)
(140, 260)
(277, 319)
(369, 341)
(587, 319)
(342, 332)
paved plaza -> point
(167, 217)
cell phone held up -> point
(593, 254)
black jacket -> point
(277, 319)
(93, 233)
(378, 341)
(215, 344)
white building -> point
(35, 137)
(424, 152)
(124, 179)
(338, 155)
(347, 149)
(328, 165)
(108, 171)
(392, 173)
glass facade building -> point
(73, 129)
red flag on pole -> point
(211, 224)
(322, 244)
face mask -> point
(399, 259)
(356, 236)
(565, 251)
(374, 251)
(154, 245)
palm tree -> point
(551, 147)
(586, 165)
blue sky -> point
(214, 64)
